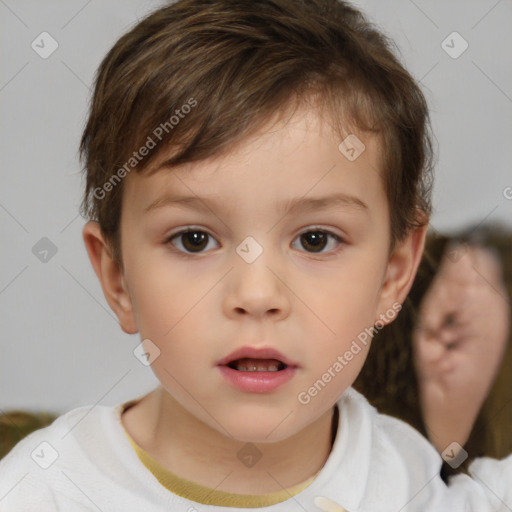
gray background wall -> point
(61, 346)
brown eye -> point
(194, 240)
(315, 241)
(191, 241)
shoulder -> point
(53, 432)
(401, 468)
(30, 470)
(487, 487)
(395, 463)
(388, 431)
(60, 428)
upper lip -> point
(256, 353)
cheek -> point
(331, 376)
(159, 299)
(173, 313)
(346, 304)
(338, 336)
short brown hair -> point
(238, 63)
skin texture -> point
(460, 342)
(198, 308)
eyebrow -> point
(290, 206)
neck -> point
(193, 450)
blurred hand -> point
(459, 341)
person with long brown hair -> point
(444, 365)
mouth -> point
(257, 370)
(246, 364)
(251, 359)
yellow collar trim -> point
(207, 495)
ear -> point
(401, 269)
(110, 275)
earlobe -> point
(110, 275)
(402, 267)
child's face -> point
(306, 297)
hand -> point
(459, 342)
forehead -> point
(298, 156)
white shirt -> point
(85, 462)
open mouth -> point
(257, 370)
(257, 365)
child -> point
(257, 179)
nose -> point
(257, 290)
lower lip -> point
(257, 382)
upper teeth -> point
(252, 366)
